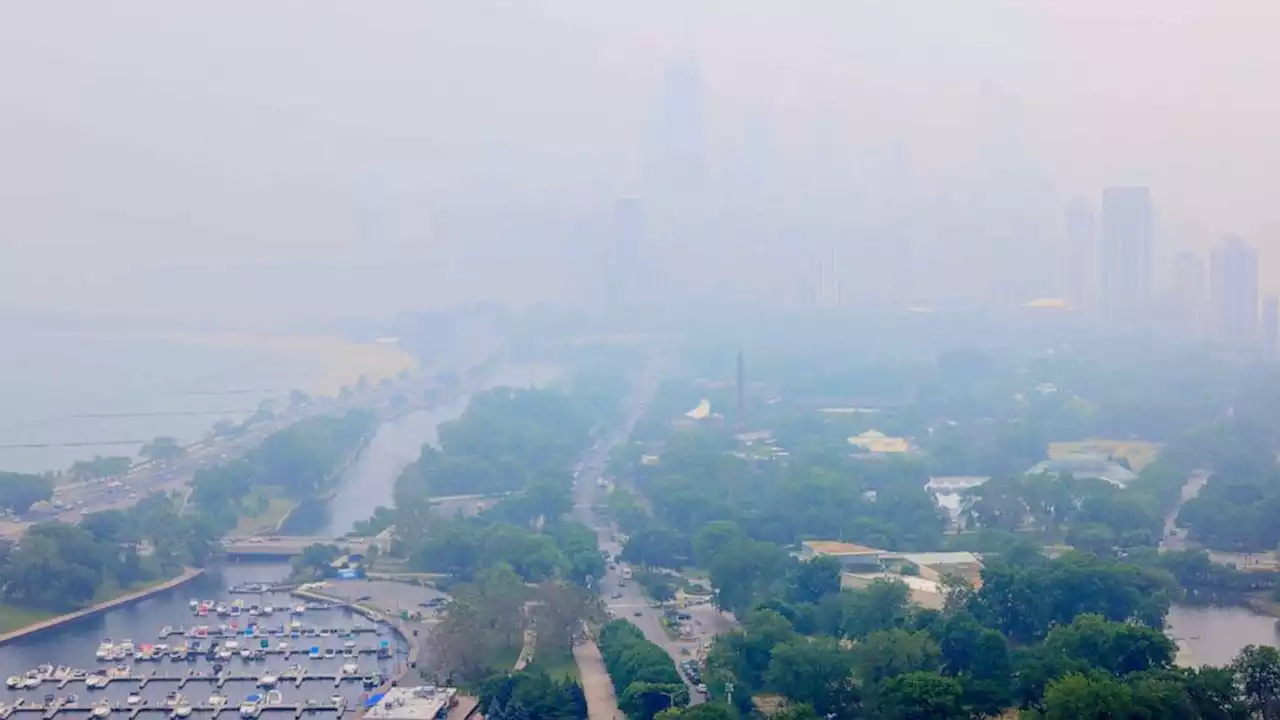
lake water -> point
(75, 644)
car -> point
(364, 598)
(617, 595)
(703, 689)
(637, 613)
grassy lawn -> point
(503, 658)
(16, 618)
(1139, 453)
(556, 662)
(277, 508)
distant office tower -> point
(1189, 295)
(1079, 256)
(828, 285)
(1233, 285)
(678, 141)
(1270, 331)
(1125, 257)
(628, 235)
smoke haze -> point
(290, 159)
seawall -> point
(187, 575)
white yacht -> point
(105, 649)
(182, 709)
(251, 707)
(217, 700)
(350, 669)
(101, 709)
(135, 698)
(13, 682)
(96, 681)
(268, 680)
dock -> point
(286, 678)
(48, 713)
(280, 631)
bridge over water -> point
(276, 547)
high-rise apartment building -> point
(1079, 255)
(1233, 287)
(1125, 252)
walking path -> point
(602, 704)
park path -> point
(602, 704)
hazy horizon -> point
(290, 160)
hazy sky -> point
(277, 159)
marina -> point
(295, 657)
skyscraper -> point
(1233, 285)
(1269, 333)
(1125, 257)
(624, 262)
(1079, 254)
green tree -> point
(19, 491)
(1097, 697)
(919, 696)
(889, 653)
(1257, 671)
(1116, 648)
(162, 448)
(817, 672)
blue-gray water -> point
(62, 387)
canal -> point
(75, 645)
(371, 479)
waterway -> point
(1214, 635)
(371, 479)
(75, 645)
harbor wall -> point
(187, 576)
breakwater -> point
(44, 625)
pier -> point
(280, 631)
(50, 712)
(286, 677)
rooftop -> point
(877, 442)
(936, 559)
(832, 547)
(410, 703)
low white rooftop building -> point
(425, 702)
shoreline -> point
(187, 575)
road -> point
(80, 498)
(1174, 540)
(629, 603)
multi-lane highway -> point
(624, 598)
(74, 500)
